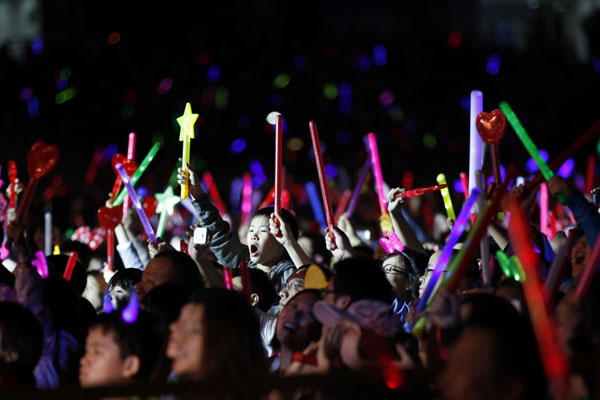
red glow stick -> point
(314, 134)
(246, 196)
(375, 163)
(245, 275)
(55, 186)
(70, 266)
(90, 175)
(110, 251)
(407, 179)
(228, 278)
(268, 198)
(589, 179)
(130, 156)
(589, 271)
(12, 176)
(342, 204)
(183, 247)
(278, 166)
(552, 224)
(465, 183)
(116, 187)
(214, 192)
(419, 191)
(555, 363)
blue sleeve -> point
(225, 244)
(586, 215)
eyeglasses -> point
(392, 269)
(293, 286)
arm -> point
(340, 246)
(199, 252)
(126, 251)
(401, 226)
(283, 235)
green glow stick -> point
(138, 172)
(517, 267)
(504, 263)
(529, 145)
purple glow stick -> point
(358, 187)
(476, 143)
(457, 229)
(135, 200)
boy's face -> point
(186, 342)
(263, 247)
(102, 363)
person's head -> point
(21, 340)
(216, 336)
(579, 254)
(93, 293)
(118, 352)
(121, 286)
(293, 285)
(297, 326)
(357, 278)
(262, 293)
(401, 272)
(263, 247)
(169, 267)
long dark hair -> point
(232, 334)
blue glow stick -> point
(457, 230)
(315, 202)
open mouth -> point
(253, 249)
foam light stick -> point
(130, 156)
(589, 270)
(504, 262)
(419, 191)
(70, 266)
(314, 134)
(246, 197)
(90, 175)
(555, 363)
(40, 264)
(544, 210)
(341, 207)
(186, 134)
(475, 143)
(130, 313)
(245, 275)
(589, 179)
(376, 165)
(465, 183)
(166, 206)
(484, 244)
(357, 189)
(315, 204)
(136, 204)
(138, 172)
(48, 233)
(491, 128)
(557, 270)
(567, 153)
(278, 168)
(528, 144)
(12, 176)
(441, 179)
(227, 278)
(214, 192)
(459, 265)
(109, 218)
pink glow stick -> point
(278, 166)
(130, 156)
(314, 134)
(228, 278)
(40, 264)
(377, 172)
(246, 196)
(70, 266)
(544, 210)
(419, 191)
(589, 271)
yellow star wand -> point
(186, 134)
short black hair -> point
(125, 278)
(262, 286)
(139, 338)
(21, 333)
(186, 269)
(362, 278)
(285, 214)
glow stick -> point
(130, 313)
(589, 270)
(589, 179)
(315, 203)
(552, 224)
(138, 172)
(246, 197)
(186, 134)
(375, 163)
(48, 233)
(110, 249)
(136, 203)
(392, 243)
(166, 206)
(476, 143)
(70, 266)
(90, 175)
(130, 156)
(441, 179)
(455, 233)
(12, 176)
(314, 134)
(214, 192)
(465, 183)
(228, 278)
(268, 199)
(341, 207)
(40, 264)
(419, 191)
(358, 187)
(544, 210)
(556, 365)
(528, 144)
(504, 262)
(245, 275)
(484, 244)
(278, 167)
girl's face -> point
(263, 247)
(119, 297)
(186, 345)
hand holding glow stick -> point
(186, 134)
(138, 172)
(419, 191)
(441, 179)
(314, 134)
(166, 206)
(137, 204)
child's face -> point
(186, 342)
(119, 296)
(264, 248)
(102, 363)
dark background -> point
(437, 52)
